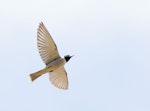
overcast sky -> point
(111, 43)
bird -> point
(53, 61)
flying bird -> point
(50, 56)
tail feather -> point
(35, 75)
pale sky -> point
(111, 43)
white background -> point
(111, 43)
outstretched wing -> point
(47, 47)
(59, 78)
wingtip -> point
(66, 88)
(40, 26)
(41, 23)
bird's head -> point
(67, 57)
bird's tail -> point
(35, 75)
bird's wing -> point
(59, 78)
(47, 47)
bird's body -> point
(51, 67)
(54, 63)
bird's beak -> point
(72, 55)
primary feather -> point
(47, 47)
